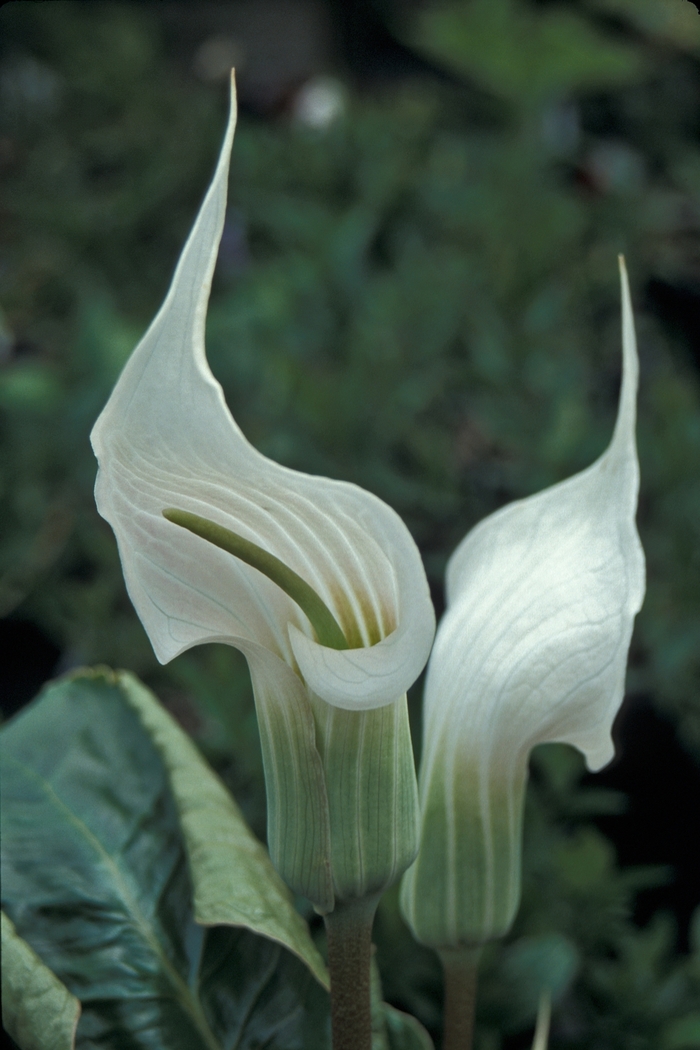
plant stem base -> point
(349, 932)
(460, 968)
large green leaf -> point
(95, 879)
(234, 880)
(37, 1010)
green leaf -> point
(37, 1010)
(234, 881)
(533, 965)
(675, 21)
(585, 859)
(95, 879)
(683, 1033)
(391, 1028)
(404, 1032)
(528, 56)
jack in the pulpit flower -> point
(316, 581)
(541, 600)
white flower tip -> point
(153, 380)
(623, 440)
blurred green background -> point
(417, 291)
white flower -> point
(166, 439)
(541, 600)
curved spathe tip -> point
(364, 678)
(175, 337)
(623, 440)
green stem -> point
(349, 932)
(460, 969)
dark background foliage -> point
(416, 291)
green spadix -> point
(324, 623)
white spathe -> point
(167, 439)
(541, 600)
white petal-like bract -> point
(541, 600)
(167, 439)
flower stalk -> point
(349, 933)
(460, 969)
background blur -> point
(417, 291)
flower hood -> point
(167, 439)
(541, 600)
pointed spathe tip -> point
(623, 438)
(626, 300)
